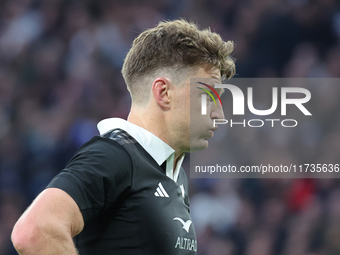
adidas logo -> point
(160, 191)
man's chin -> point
(198, 146)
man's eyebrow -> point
(219, 91)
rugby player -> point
(125, 192)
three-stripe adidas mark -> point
(160, 191)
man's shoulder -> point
(113, 140)
(108, 148)
(119, 136)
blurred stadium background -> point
(60, 64)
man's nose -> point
(217, 112)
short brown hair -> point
(172, 47)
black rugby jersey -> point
(128, 203)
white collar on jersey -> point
(159, 150)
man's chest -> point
(160, 208)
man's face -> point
(192, 128)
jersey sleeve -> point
(97, 177)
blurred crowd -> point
(60, 64)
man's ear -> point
(160, 91)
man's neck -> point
(177, 158)
(155, 124)
(151, 121)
